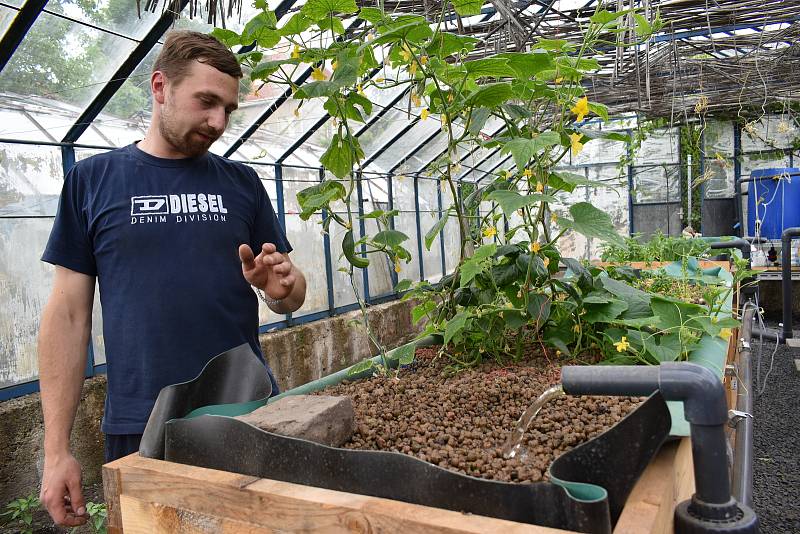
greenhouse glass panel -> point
(65, 62)
(400, 149)
(306, 239)
(452, 235)
(31, 178)
(384, 129)
(17, 123)
(25, 284)
(600, 151)
(342, 289)
(119, 16)
(661, 146)
(425, 155)
(770, 132)
(428, 216)
(572, 244)
(719, 178)
(6, 16)
(406, 222)
(656, 184)
(376, 197)
(127, 115)
(718, 139)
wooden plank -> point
(141, 517)
(282, 506)
(651, 497)
(112, 487)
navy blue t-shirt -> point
(162, 238)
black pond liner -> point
(589, 487)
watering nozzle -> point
(711, 508)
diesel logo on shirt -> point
(190, 207)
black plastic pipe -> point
(711, 508)
(740, 243)
(786, 276)
(703, 398)
(743, 453)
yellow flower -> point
(576, 328)
(297, 112)
(536, 247)
(489, 231)
(558, 80)
(412, 69)
(539, 187)
(527, 173)
(296, 52)
(581, 109)
(622, 345)
(360, 89)
(725, 333)
(423, 60)
(334, 65)
(415, 99)
(317, 74)
(370, 36)
(546, 262)
(553, 218)
(558, 353)
(575, 141)
(397, 266)
(424, 114)
(380, 80)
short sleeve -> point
(69, 244)
(266, 227)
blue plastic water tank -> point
(777, 194)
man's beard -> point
(191, 145)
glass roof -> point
(111, 15)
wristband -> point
(266, 300)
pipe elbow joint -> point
(701, 391)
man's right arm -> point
(63, 339)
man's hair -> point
(183, 47)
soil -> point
(462, 422)
(43, 524)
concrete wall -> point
(297, 355)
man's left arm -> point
(273, 273)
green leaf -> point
(604, 313)
(643, 27)
(467, 7)
(484, 251)
(603, 17)
(312, 199)
(332, 23)
(523, 149)
(527, 64)
(405, 354)
(568, 181)
(455, 326)
(340, 156)
(348, 249)
(552, 44)
(413, 29)
(227, 37)
(371, 14)
(261, 29)
(664, 348)
(403, 285)
(511, 201)
(360, 367)
(603, 134)
(422, 310)
(504, 274)
(478, 120)
(591, 222)
(539, 308)
(601, 110)
(317, 89)
(430, 237)
(489, 67)
(638, 300)
(490, 95)
(389, 238)
(266, 68)
(317, 10)
(673, 313)
(296, 25)
(444, 44)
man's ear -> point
(158, 84)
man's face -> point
(195, 112)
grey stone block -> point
(322, 419)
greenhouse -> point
(413, 266)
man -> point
(158, 224)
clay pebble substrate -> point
(461, 422)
